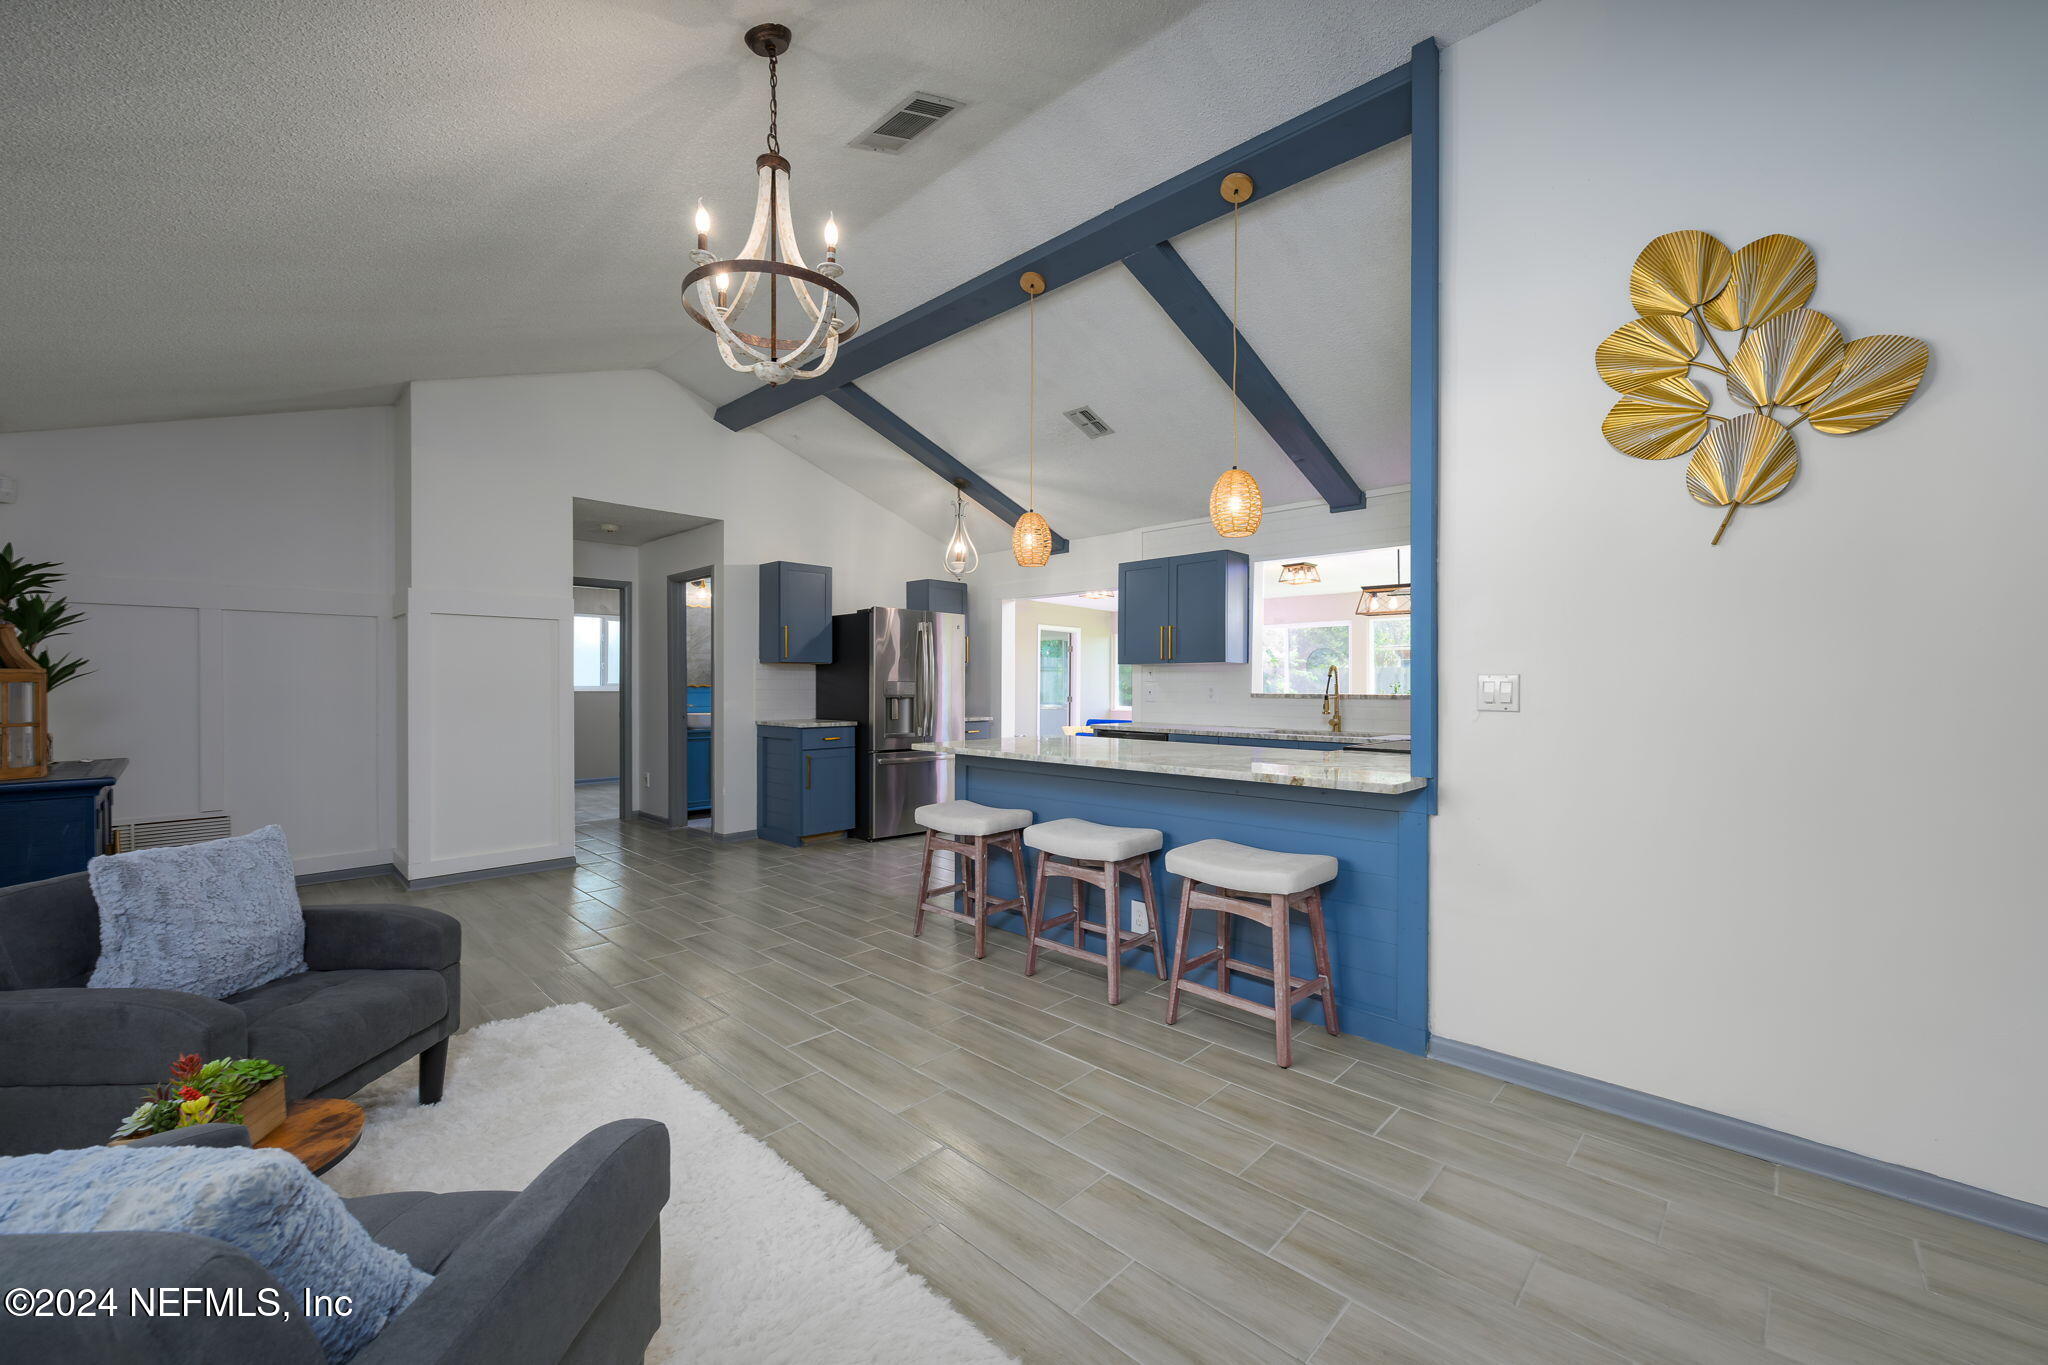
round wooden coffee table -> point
(318, 1132)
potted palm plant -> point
(33, 616)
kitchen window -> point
(1308, 624)
(596, 653)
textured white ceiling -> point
(635, 525)
(223, 206)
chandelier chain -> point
(774, 137)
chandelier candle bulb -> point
(704, 234)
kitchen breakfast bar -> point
(1364, 809)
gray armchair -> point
(568, 1270)
(383, 985)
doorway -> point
(692, 702)
(601, 645)
(1058, 649)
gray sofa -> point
(568, 1270)
(384, 985)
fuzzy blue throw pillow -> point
(209, 919)
(265, 1204)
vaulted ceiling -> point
(228, 206)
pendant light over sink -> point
(1031, 541)
(769, 258)
(1235, 503)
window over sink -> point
(1309, 624)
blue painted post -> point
(1423, 263)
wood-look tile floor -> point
(1091, 1185)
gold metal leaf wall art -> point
(1783, 358)
(1748, 459)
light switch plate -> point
(1500, 691)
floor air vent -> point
(193, 829)
(911, 118)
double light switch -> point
(1500, 691)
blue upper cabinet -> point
(935, 594)
(1144, 609)
(1185, 609)
(796, 613)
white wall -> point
(493, 467)
(236, 574)
(1191, 694)
(1726, 853)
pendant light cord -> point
(1234, 449)
(1031, 396)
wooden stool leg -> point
(1151, 912)
(980, 900)
(1017, 858)
(1115, 944)
(1034, 916)
(1322, 947)
(924, 882)
(1223, 942)
(1283, 985)
(1180, 952)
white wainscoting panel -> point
(498, 698)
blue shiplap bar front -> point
(1377, 909)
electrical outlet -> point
(647, 779)
(9, 488)
(1141, 922)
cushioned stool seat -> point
(1088, 854)
(1089, 842)
(1239, 867)
(971, 834)
(1265, 887)
(970, 819)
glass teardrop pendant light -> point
(1031, 541)
(1235, 503)
(962, 558)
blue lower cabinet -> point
(806, 782)
(52, 826)
(978, 729)
(698, 771)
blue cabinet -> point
(935, 594)
(698, 771)
(55, 825)
(806, 782)
(796, 613)
(1185, 609)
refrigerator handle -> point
(927, 679)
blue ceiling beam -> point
(1328, 135)
(860, 404)
(1194, 310)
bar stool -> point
(1092, 855)
(1227, 876)
(972, 833)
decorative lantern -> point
(24, 702)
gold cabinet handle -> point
(807, 772)
(828, 739)
(785, 642)
(1162, 642)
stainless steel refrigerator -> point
(902, 675)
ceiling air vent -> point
(1092, 427)
(911, 118)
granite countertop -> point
(806, 724)
(1334, 770)
(1269, 732)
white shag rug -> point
(757, 1264)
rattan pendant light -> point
(1031, 541)
(1235, 503)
